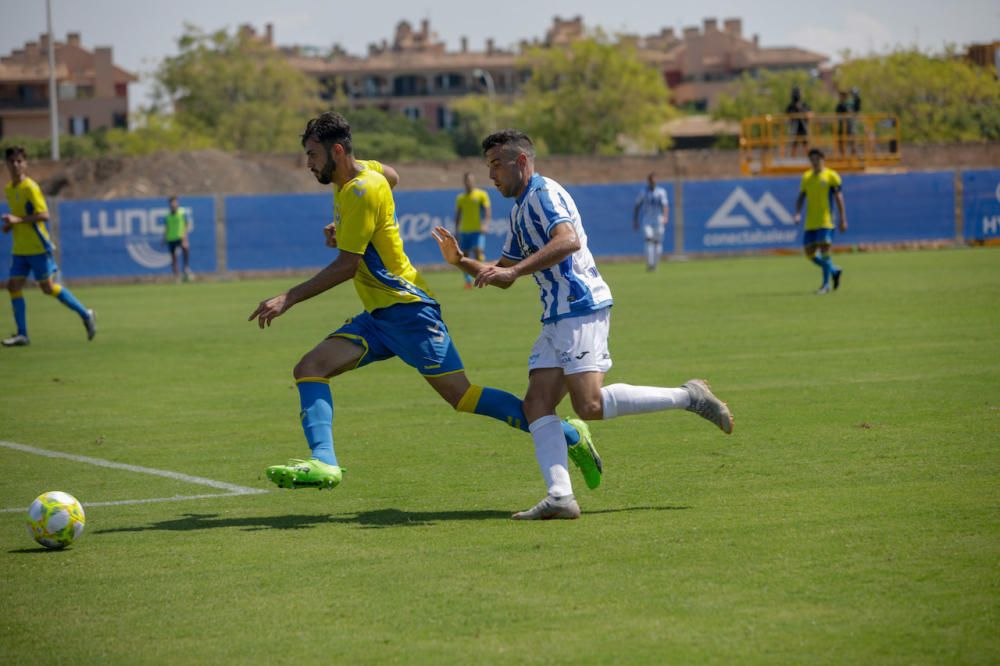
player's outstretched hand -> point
(269, 309)
(496, 276)
(449, 246)
(330, 231)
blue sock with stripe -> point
(827, 263)
(506, 407)
(20, 312)
(66, 297)
(316, 413)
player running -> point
(819, 184)
(546, 240)
(32, 249)
(401, 316)
(472, 221)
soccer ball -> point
(55, 519)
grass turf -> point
(851, 518)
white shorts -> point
(575, 344)
(653, 232)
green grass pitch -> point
(852, 518)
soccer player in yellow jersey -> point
(401, 317)
(819, 185)
(472, 221)
(33, 248)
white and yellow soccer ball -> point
(55, 519)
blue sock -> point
(316, 402)
(20, 312)
(827, 264)
(505, 407)
(66, 297)
(816, 260)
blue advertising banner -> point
(981, 204)
(754, 214)
(273, 232)
(124, 238)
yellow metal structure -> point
(778, 144)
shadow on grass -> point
(365, 519)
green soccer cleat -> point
(585, 456)
(310, 473)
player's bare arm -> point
(798, 207)
(391, 175)
(563, 243)
(839, 198)
(454, 255)
(10, 218)
(340, 270)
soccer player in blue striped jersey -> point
(651, 209)
(401, 316)
(32, 249)
(546, 240)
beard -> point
(325, 177)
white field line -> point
(231, 488)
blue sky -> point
(142, 33)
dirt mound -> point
(203, 172)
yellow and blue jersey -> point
(819, 188)
(471, 206)
(365, 214)
(24, 199)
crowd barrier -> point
(123, 238)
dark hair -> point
(513, 138)
(172, 197)
(15, 151)
(816, 151)
(328, 129)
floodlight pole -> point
(53, 102)
(491, 90)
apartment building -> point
(92, 90)
(416, 75)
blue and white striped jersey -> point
(573, 287)
(651, 204)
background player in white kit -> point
(652, 210)
(546, 239)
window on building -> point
(449, 83)
(79, 125)
(412, 112)
(121, 90)
(67, 90)
(119, 120)
(408, 85)
(445, 118)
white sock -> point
(650, 254)
(624, 399)
(550, 450)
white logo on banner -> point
(763, 212)
(140, 227)
(416, 227)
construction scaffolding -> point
(779, 144)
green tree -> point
(477, 116)
(770, 92)
(594, 96)
(237, 91)
(936, 98)
(387, 136)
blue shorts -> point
(818, 237)
(414, 332)
(472, 240)
(42, 266)
(172, 245)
